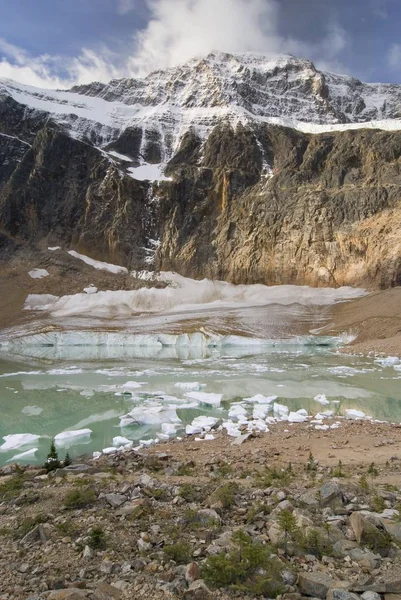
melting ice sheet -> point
(184, 294)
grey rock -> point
(315, 584)
(205, 515)
(341, 594)
(198, 590)
(115, 500)
(371, 596)
(330, 494)
(309, 498)
(37, 534)
(241, 439)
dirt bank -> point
(375, 320)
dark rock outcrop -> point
(255, 204)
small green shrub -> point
(80, 498)
(52, 462)
(226, 494)
(315, 543)
(97, 539)
(248, 568)
(288, 524)
(28, 524)
(179, 552)
(378, 504)
(338, 471)
(373, 471)
(12, 487)
(363, 483)
(311, 464)
(275, 477)
(189, 493)
(67, 462)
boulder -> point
(198, 590)
(368, 534)
(205, 515)
(104, 591)
(341, 594)
(315, 584)
(68, 594)
(330, 494)
(192, 573)
(115, 500)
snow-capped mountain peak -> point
(239, 88)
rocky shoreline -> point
(289, 514)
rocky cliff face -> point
(246, 201)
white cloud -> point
(177, 30)
(394, 56)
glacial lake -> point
(45, 397)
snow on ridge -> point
(99, 265)
(238, 88)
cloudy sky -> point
(56, 43)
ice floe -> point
(69, 438)
(205, 398)
(150, 415)
(351, 413)
(18, 440)
(322, 399)
(32, 411)
(189, 386)
(24, 456)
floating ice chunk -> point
(90, 290)
(127, 421)
(38, 273)
(327, 414)
(322, 427)
(280, 410)
(354, 414)
(131, 385)
(67, 438)
(32, 411)
(296, 417)
(147, 442)
(153, 415)
(169, 429)
(204, 398)
(303, 411)
(205, 422)
(27, 455)
(388, 361)
(189, 386)
(200, 424)
(236, 411)
(110, 450)
(232, 428)
(322, 399)
(259, 399)
(120, 441)
(99, 265)
(96, 455)
(209, 437)
(260, 412)
(257, 425)
(18, 440)
(54, 248)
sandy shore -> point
(375, 320)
